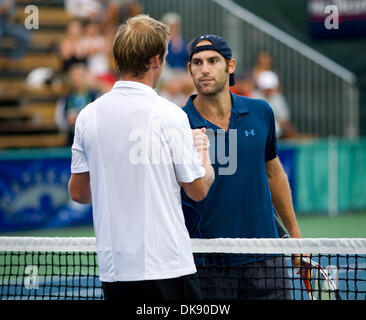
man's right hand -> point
(198, 189)
(202, 144)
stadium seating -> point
(27, 113)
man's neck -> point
(214, 107)
(147, 78)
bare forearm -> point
(198, 189)
(209, 177)
(79, 188)
(84, 199)
(282, 200)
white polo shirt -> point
(137, 147)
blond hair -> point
(137, 41)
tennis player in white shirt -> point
(132, 152)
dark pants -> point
(182, 288)
(263, 280)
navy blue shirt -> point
(239, 203)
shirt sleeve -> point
(187, 162)
(79, 162)
(271, 141)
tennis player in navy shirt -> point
(250, 181)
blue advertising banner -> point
(337, 18)
(33, 192)
(34, 195)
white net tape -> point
(220, 245)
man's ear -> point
(155, 62)
(232, 65)
(189, 68)
(158, 62)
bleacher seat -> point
(27, 114)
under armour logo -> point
(247, 133)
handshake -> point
(202, 145)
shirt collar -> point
(239, 105)
(133, 85)
(239, 108)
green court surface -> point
(351, 225)
(78, 231)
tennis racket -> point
(318, 284)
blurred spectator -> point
(72, 47)
(98, 49)
(83, 8)
(21, 35)
(264, 62)
(118, 11)
(244, 85)
(177, 57)
(268, 84)
(177, 87)
(78, 95)
(128, 9)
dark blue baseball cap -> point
(217, 44)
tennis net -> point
(66, 268)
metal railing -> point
(322, 95)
